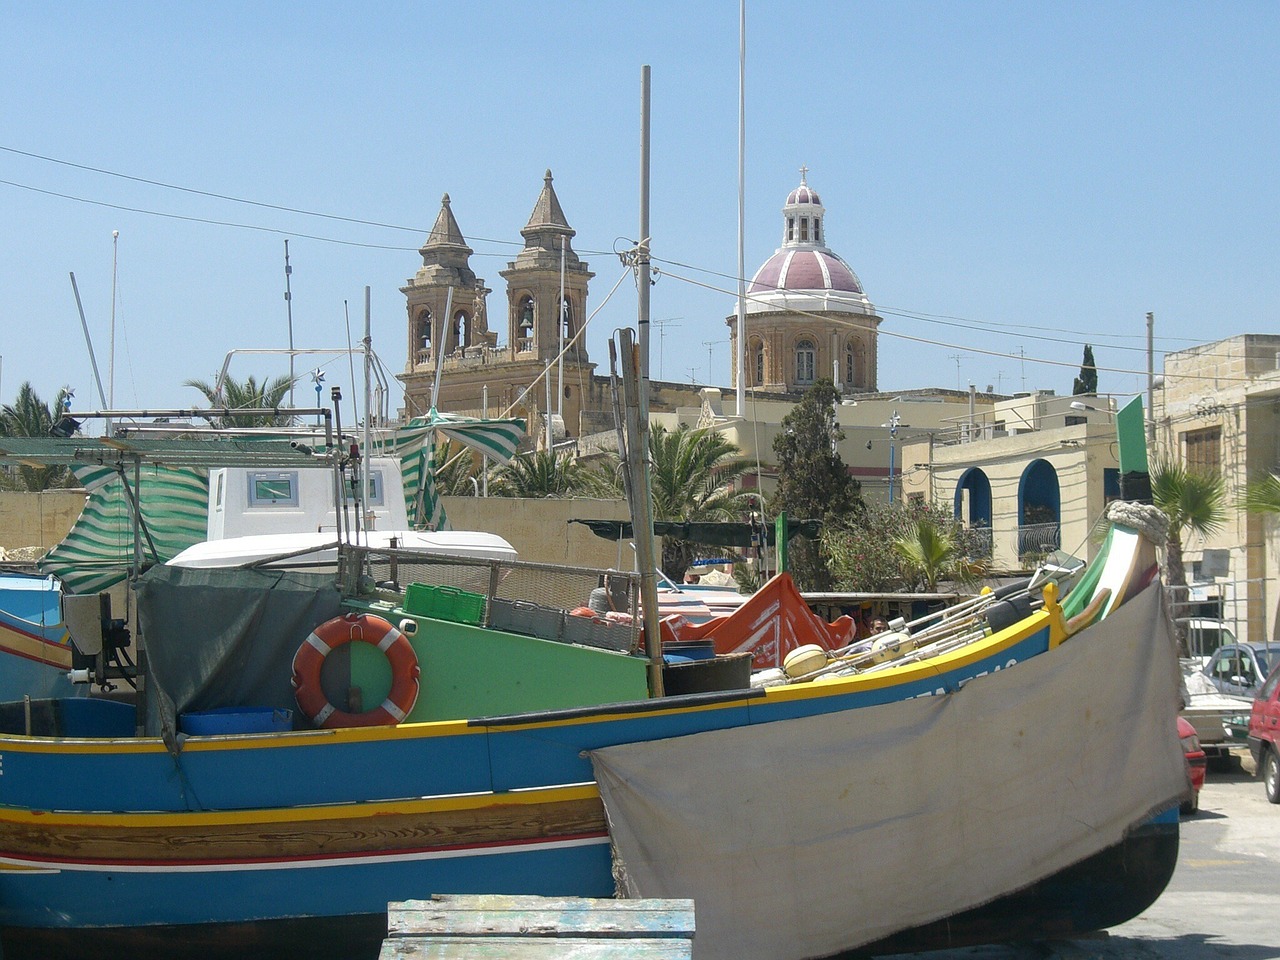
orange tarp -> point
(771, 623)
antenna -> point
(662, 336)
(710, 345)
(957, 357)
(111, 365)
(288, 306)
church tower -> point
(806, 314)
(446, 304)
(534, 281)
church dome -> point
(803, 194)
(804, 273)
(805, 270)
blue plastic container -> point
(693, 649)
(224, 720)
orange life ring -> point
(365, 628)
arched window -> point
(524, 323)
(804, 229)
(850, 366)
(805, 355)
(566, 318)
(424, 331)
(757, 362)
(460, 330)
(1039, 510)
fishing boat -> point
(35, 646)
(307, 747)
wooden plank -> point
(533, 948)
(500, 915)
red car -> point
(1196, 763)
(1264, 734)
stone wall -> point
(540, 529)
(37, 519)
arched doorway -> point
(1039, 511)
(973, 504)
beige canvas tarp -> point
(801, 838)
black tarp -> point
(725, 534)
(225, 638)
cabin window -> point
(276, 489)
(352, 486)
(217, 490)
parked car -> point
(1205, 635)
(1264, 734)
(1196, 763)
(1239, 669)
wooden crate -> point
(498, 927)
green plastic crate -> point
(444, 603)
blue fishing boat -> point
(307, 747)
(35, 646)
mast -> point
(288, 306)
(111, 365)
(642, 253)
(368, 393)
(636, 365)
(740, 360)
(563, 314)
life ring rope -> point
(308, 663)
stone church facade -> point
(806, 318)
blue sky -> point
(1014, 178)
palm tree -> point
(1193, 500)
(247, 396)
(29, 416)
(930, 553)
(691, 476)
(1263, 496)
(538, 475)
(455, 469)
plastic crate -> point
(532, 619)
(597, 632)
(444, 603)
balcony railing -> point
(1037, 539)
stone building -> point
(485, 372)
(1218, 409)
(806, 315)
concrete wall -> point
(37, 519)
(540, 529)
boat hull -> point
(1106, 889)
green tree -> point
(1194, 501)
(538, 475)
(247, 395)
(456, 466)
(813, 482)
(1263, 495)
(1087, 382)
(930, 551)
(692, 472)
(891, 546)
(29, 416)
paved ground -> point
(1223, 902)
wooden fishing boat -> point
(34, 644)
(486, 743)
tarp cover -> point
(801, 838)
(225, 638)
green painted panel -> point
(1132, 434)
(470, 671)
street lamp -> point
(892, 426)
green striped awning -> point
(414, 443)
(98, 551)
